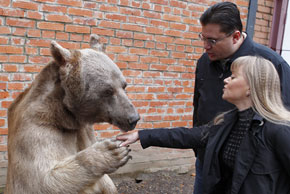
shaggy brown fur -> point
(51, 144)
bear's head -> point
(94, 86)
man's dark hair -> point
(225, 14)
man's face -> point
(218, 45)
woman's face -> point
(236, 89)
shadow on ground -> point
(161, 182)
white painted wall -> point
(286, 39)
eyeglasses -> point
(212, 41)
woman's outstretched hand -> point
(128, 138)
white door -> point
(286, 39)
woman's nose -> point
(226, 80)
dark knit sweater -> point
(233, 142)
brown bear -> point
(51, 143)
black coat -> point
(262, 164)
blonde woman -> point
(248, 148)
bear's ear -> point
(95, 43)
(60, 54)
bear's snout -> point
(133, 120)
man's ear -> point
(236, 36)
(60, 54)
(95, 43)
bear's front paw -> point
(104, 157)
(114, 155)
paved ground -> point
(161, 182)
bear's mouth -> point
(127, 126)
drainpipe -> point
(278, 25)
(250, 28)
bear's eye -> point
(124, 85)
(108, 93)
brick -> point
(109, 24)
(116, 49)
(4, 95)
(104, 32)
(151, 14)
(38, 43)
(159, 53)
(25, 5)
(45, 1)
(21, 77)
(17, 41)
(11, 12)
(3, 148)
(135, 89)
(50, 26)
(115, 41)
(173, 18)
(173, 33)
(77, 29)
(20, 22)
(15, 86)
(127, 58)
(70, 45)
(58, 18)
(4, 40)
(116, 17)
(4, 3)
(62, 36)
(48, 34)
(133, 73)
(4, 30)
(32, 68)
(165, 39)
(3, 58)
(108, 8)
(5, 104)
(138, 20)
(130, 11)
(34, 15)
(45, 51)
(80, 12)
(138, 51)
(178, 26)
(90, 5)
(19, 31)
(190, 21)
(154, 30)
(73, 3)
(76, 37)
(151, 74)
(39, 59)
(138, 66)
(132, 27)
(54, 8)
(109, 134)
(4, 77)
(31, 51)
(11, 49)
(33, 33)
(17, 59)
(140, 36)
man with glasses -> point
(224, 41)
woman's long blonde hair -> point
(265, 88)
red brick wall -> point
(263, 21)
(154, 42)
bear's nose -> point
(134, 119)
